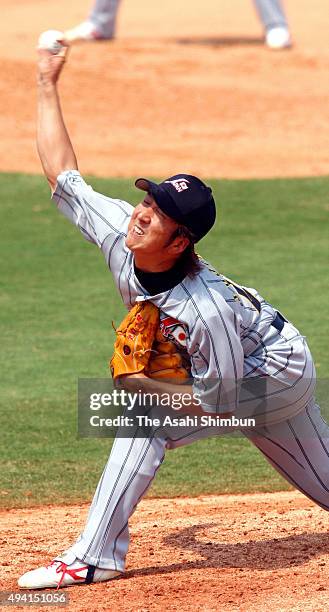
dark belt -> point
(279, 322)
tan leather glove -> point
(141, 347)
(135, 336)
(166, 361)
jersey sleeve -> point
(99, 218)
(217, 359)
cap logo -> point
(179, 184)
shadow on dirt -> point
(221, 41)
(276, 553)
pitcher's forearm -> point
(191, 403)
(53, 142)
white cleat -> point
(278, 38)
(84, 31)
(65, 570)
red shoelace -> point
(62, 567)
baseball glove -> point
(166, 361)
(141, 347)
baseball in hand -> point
(49, 40)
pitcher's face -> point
(150, 230)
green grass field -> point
(57, 304)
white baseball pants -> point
(104, 13)
(297, 448)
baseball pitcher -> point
(187, 324)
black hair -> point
(189, 260)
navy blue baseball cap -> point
(186, 200)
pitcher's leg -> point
(272, 15)
(299, 450)
(129, 472)
(103, 15)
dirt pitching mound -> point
(184, 87)
(235, 552)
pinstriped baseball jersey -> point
(226, 329)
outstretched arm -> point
(53, 142)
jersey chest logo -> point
(174, 330)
